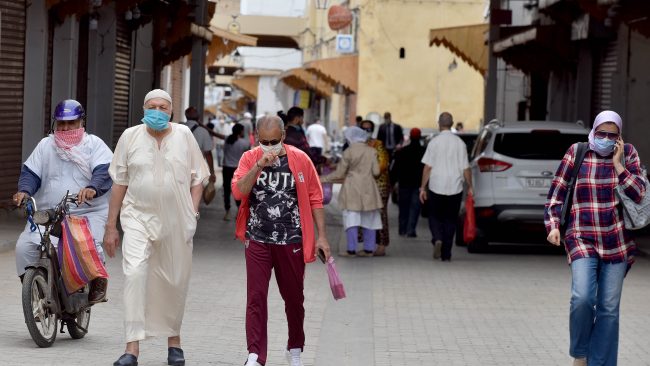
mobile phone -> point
(321, 255)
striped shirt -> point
(595, 227)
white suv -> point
(512, 166)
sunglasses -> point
(606, 135)
(269, 142)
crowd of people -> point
(157, 174)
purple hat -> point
(69, 110)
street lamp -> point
(321, 4)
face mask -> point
(155, 119)
(274, 149)
(604, 147)
(69, 139)
(369, 129)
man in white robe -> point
(158, 174)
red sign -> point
(339, 17)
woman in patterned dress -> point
(383, 183)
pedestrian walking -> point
(445, 169)
(390, 134)
(359, 198)
(317, 138)
(295, 134)
(203, 138)
(282, 201)
(158, 174)
(600, 250)
(247, 122)
(69, 159)
(406, 171)
(383, 183)
(236, 145)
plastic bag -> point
(469, 228)
(335, 281)
(78, 257)
(327, 187)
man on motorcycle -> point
(69, 159)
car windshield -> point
(537, 145)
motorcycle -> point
(44, 298)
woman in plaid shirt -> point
(600, 250)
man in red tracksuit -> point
(282, 199)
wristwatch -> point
(197, 215)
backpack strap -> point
(581, 151)
(194, 127)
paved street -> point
(404, 309)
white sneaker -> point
(252, 360)
(580, 361)
(293, 357)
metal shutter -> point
(47, 123)
(12, 65)
(122, 79)
(603, 79)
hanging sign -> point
(339, 17)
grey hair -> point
(446, 120)
(268, 122)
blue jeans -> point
(409, 209)
(595, 302)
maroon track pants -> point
(289, 265)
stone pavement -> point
(403, 309)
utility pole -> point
(197, 70)
(490, 107)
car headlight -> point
(41, 217)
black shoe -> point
(126, 359)
(411, 235)
(175, 356)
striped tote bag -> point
(78, 258)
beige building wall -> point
(407, 87)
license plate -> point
(538, 182)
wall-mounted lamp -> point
(128, 15)
(237, 57)
(452, 66)
(136, 12)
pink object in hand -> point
(335, 281)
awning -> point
(224, 42)
(467, 42)
(515, 40)
(301, 78)
(343, 71)
(535, 48)
(248, 85)
(225, 107)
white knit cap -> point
(157, 93)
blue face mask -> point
(604, 147)
(155, 119)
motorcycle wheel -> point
(83, 319)
(42, 324)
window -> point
(536, 145)
(481, 143)
(402, 53)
